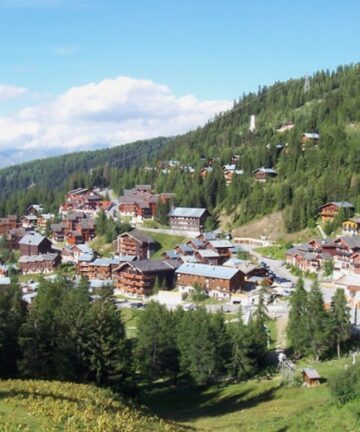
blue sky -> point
(212, 50)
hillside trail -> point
(281, 324)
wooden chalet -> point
(35, 210)
(14, 237)
(8, 223)
(208, 256)
(347, 249)
(263, 174)
(29, 221)
(351, 227)
(229, 171)
(330, 210)
(138, 277)
(43, 263)
(74, 237)
(134, 243)
(34, 243)
(222, 247)
(187, 219)
(217, 281)
(311, 138)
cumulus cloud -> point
(111, 112)
(11, 92)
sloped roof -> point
(38, 258)
(340, 204)
(265, 171)
(311, 135)
(140, 236)
(352, 242)
(32, 238)
(147, 266)
(221, 244)
(187, 212)
(208, 253)
(311, 373)
(204, 270)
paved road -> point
(282, 271)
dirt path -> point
(281, 324)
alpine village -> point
(208, 281)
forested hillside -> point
(308, 175)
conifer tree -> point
(297, 329)
(241, 364)
(318, 322)
(12, 316)
(340, 320)
(108, 351)
(156, 352)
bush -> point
(345, 386)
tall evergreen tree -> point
(340, 320)
(12, 316)
(318, 322)
(298, 329)
(156, 352)
(241, 364)
(108, 351)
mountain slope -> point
(308, 175)
(55, 406)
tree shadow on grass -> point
(189, 404)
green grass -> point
(274, 252)
(130, 318)
(165, 242)
(257, 405)
(99, 245)
(43, 406)
(33, 277)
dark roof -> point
(140, 236)
(352, 242)
(340, 204)
(147, 266)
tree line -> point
(66, 335)
(313, 330)
(308, 175)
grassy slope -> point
(257, 405)
(40, 406)
(271, 226)
(166, 242)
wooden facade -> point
(330, 210)
(8, 223)
(34, 244)
(138, 277)
(134, 243)
(217, 279)
(187, 219)
(351, 226)
(44, 263)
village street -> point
(278, 268)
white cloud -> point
(11, 92)
(108, 113)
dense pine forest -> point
(308, 175)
